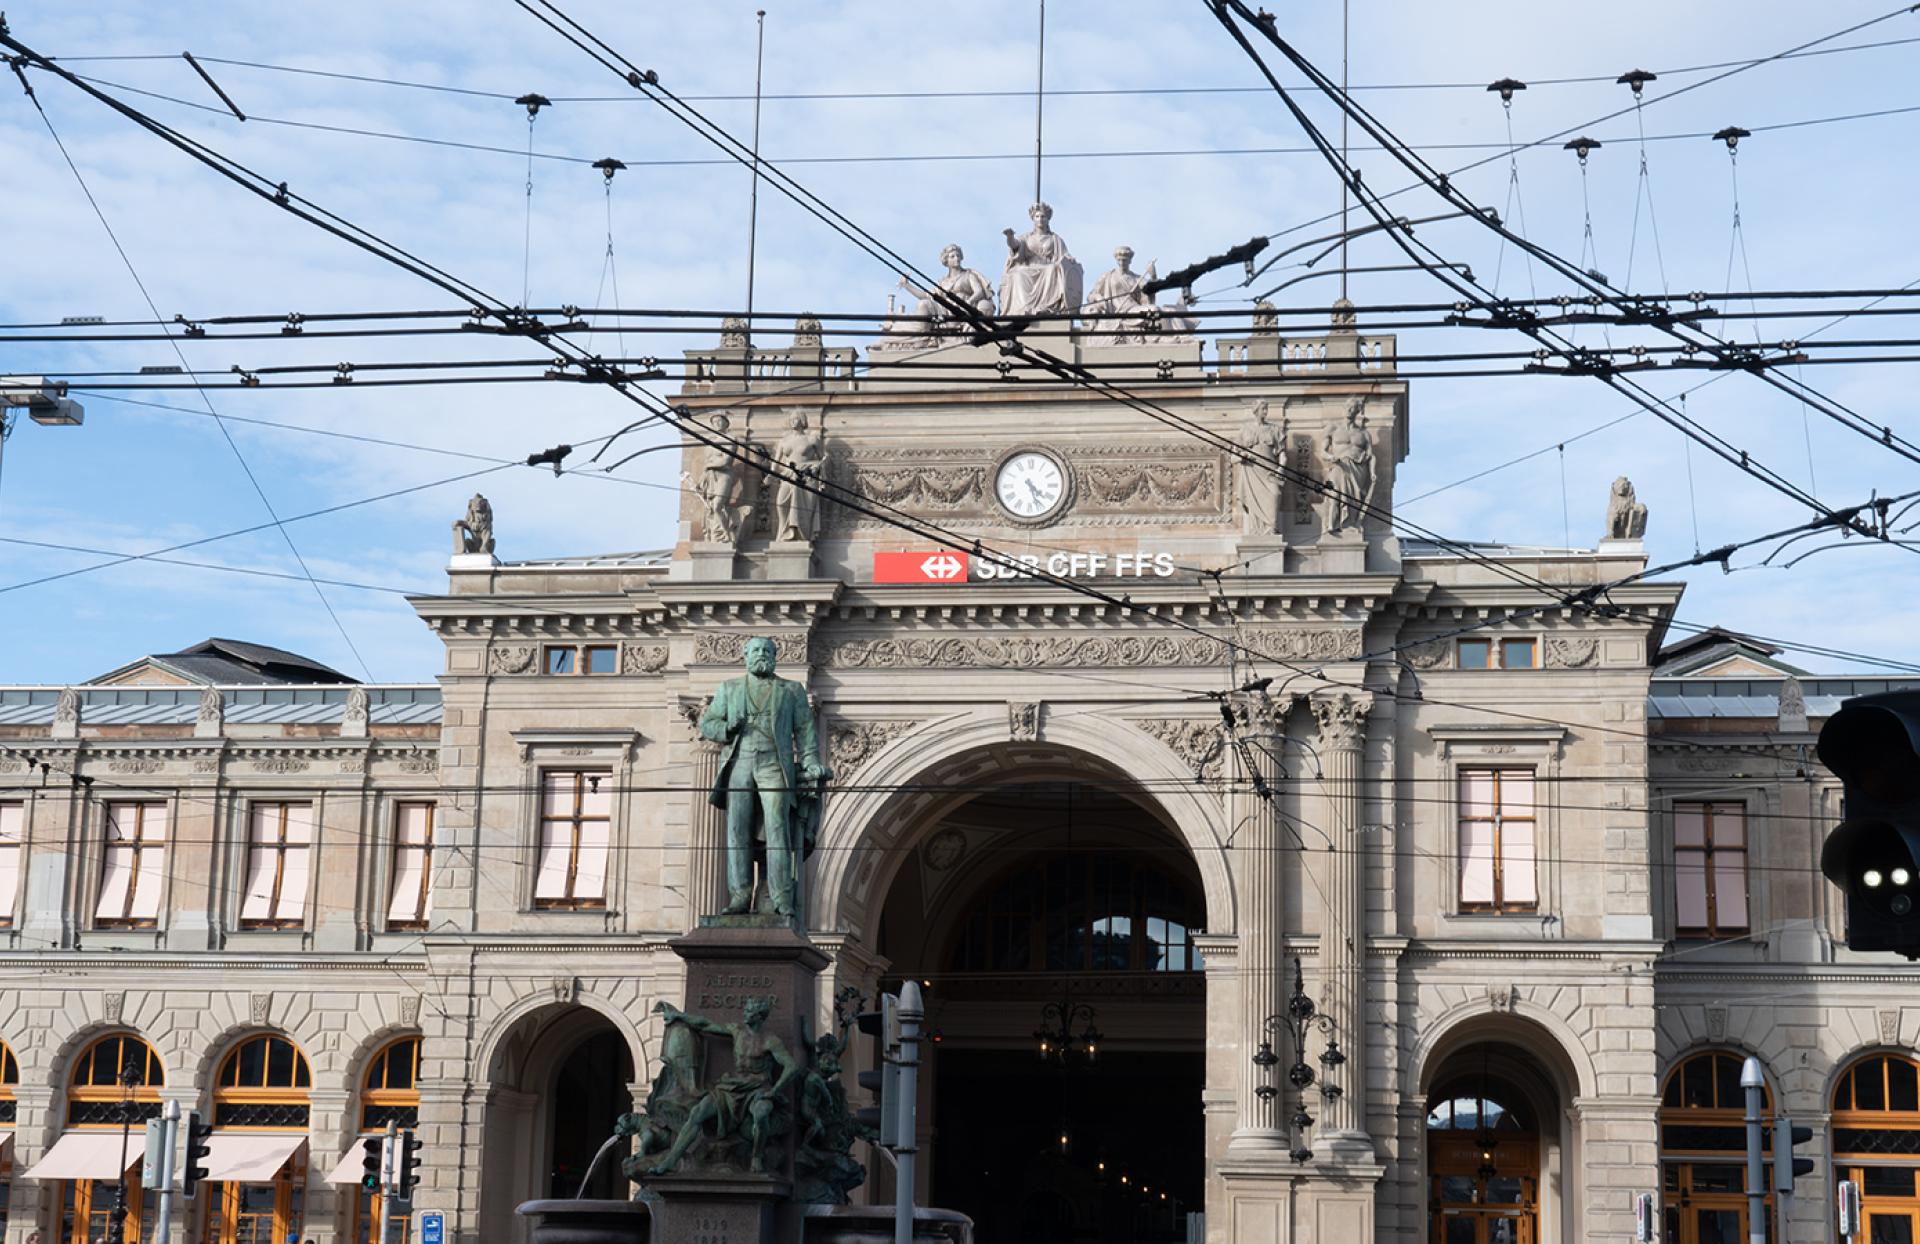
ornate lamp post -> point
(1300, 1015)
(1058, 1042)
(117, 1216)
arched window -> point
(9, 1084)
(1483, 1161)
(1703, 1146)
(262, 1088)
(98, 1102)
(1090, 911)
(389, 1094)
(264, 1082)
(1876, 1142)
(95, 1096)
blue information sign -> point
(433, 1228)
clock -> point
(1030, 484)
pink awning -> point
(350, 1168)
(90, 1155)
(249, 1157)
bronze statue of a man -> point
(768, 780)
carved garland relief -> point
(1170, 480)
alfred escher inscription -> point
(730, 990)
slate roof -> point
(223, 662)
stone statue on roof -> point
(474, 533)
(1041, 277)
(1115, 307)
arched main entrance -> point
(557, 1081)
(1500, 1143)
(1052, 921)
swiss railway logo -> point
(920, 566)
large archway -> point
(1036, 891)
(1500, 1152)
(557, 1080)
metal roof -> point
(1758, 697)
(646, 559)
(272, 705)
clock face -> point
(1030, 484)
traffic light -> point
(372, 1163)
(406, 1166)
(1786, 1167)
(881, 1120)
(191, 1170)
(1873, 746)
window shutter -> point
(13, 821)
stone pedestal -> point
(1343, 552)
(791, 559)
(472, 561)
(1262, 555)
(710, 560)
(731, 959)
(716, 1208)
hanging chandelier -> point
(1067, 1033)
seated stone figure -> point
(1041, 277)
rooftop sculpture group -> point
(1041, 278)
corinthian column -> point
(1342, 717)
(1256, 825)
(706, 824)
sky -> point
(1160, 155)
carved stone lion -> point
(1626, 517)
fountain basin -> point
(873, 1224)
(588, 1222)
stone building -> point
(1545, 884)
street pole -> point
(1755, 1084)
(389, 1171)
(912, 1011)
(169, 1132)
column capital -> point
(1342, 716)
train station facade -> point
(1547, 873)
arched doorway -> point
(557, 1081)
(112, 1090)
(389, 1093)
(1703, 1149)
(1876, 1143)
(257, 1166)
(1499, 1138)
(1052, 923)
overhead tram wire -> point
(1574, 357)
(705, 435)
(908, 158)
(225, 432)
(1441, 184)
(346, 231)
(1011, 93)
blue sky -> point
(1823, 206)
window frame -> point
(1707, 850)
(1498, 905)
(146, 1093)
(582, 786)
(248, 846)
(423, 907)
(17, 844)
(578, 658)
(265, 1093)
(1497, 652)
(138, 848)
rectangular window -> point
(412, 898)
(1506, 654)
(279, 842)
(1710, 868)
(602, 659)
(560, 660)
(1498, 841)
(134, 868)
(13, 837)
(592, 659)
(576, 813)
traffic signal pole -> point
(1755, 1084)
(912, 1012)
(389, 1173)
(169, 1129)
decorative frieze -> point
(1200, 742)
(851, 744)
(1431, 655)
(643, 658)
(728, 648)
(512, 659)
(1572, 651)
(1018, 651)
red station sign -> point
(920, 566)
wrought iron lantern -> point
(1300, 1015)
(1058, 1039)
